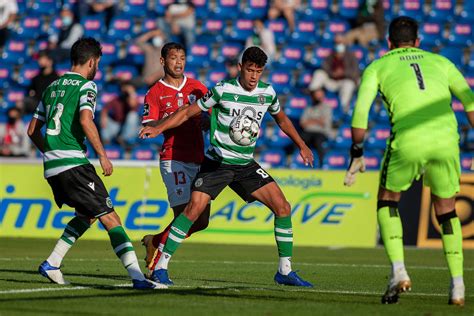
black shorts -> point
(82, 189)
(214, 176)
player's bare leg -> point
(391, 231)
(179, 229)
(451, 234)
(272, 196)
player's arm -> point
(36, 123)
(367, 93)
(460, 88)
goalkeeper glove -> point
(357, 164)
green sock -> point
(391, 230)
(123, 248)
(178, 231)
(451, 234)
(284, 240)
(74, 229)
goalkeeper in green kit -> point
(416, 88)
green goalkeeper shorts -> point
(406, 161)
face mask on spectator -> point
(157, 41)
(67, 20)
(340, 48)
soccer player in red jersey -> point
(183, 148)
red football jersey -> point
(183, 143)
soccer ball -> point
(244, 130)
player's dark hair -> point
(403, 31)
(169, 46)
(255, 55)
(84, 49)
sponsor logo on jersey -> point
(91, 185)
(91, 97)
(207, 96)
(179, 191)
(168, 105)
(192, 98)
(71, 82)
(165, 96)
(236, 97)
(198, 182)
(146, 109)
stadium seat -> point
(155, 141)
(143, 153)
(348, 8)
(378, 137)
(304, 78)
(452, 53)
(44, 7)
(295, 105)
(241, 29)
(6, 72)
(214, 76)
(467, 161)
(134, 8)
(226, 9)
(30, 28)
(26, 73)
(121, 29)
(411, 8)
(469, 75)
(467, 12)
(199, 55)
(372, 160)
(333, 101)
(333, 28)
(114, 152)
(460, 34)
(23, 5)
(148, 24)
(291, 57)
(255, 9)
(442, 10)
(281, 81)
(318, 55)
(214, 27)
(279, 27)
(296, 162)
(382, 117)
(160, 6)
(276, 138)
(228, 51)
(380, 52)
(94, 26)
(274, 157)
(110, 53)
(201, 7)
(191, 72)
(388, 6)
(14, 52)
(124, 72)
(431, 33)
(362, 55)
(135, 55)
(335, 160)
(343, 139)
(305, 33)
(14, 94)
(317, 10)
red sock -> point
(158, 238)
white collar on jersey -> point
(246, 91)
(172, 87)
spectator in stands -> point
(14, 141)
(340, 72)
(119, 119)
(106, 7)
(8, 11)
(286, 8)
(180, 20)
(69, 32)
(264, 38)
(369, 24)
(41, 81)
(316, 123)
(152, 69)
(232, 68)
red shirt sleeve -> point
(151, 108)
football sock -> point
(391, 231)
(158, 238)
(123, 248)
(451, 234)
(74, 229)
(284, 240)
(177, 234)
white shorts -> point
(178, 177)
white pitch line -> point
(316, 264)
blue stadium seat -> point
(143, 153)
(214, 76)
(411, 8)
(388, 6)
(214, 27)
(372, 160)
(14, 94)
(362, 55)
(343, 139)
(110, 53)
(319, 54)
(255, 9)
(274, 157)
(105, 97)
(226, 9)
(149, 24)
(124, 72)
(137, 8)
(26, 73)
(90, 152)
(276, 138)
(452, 53)
(291, 57)
(305, 33)
(461, 34)
(228, 51)
(160, 6)
(431, 33)
(155, 141)
(241, 29)
(333, 101)
(30, 28)
(304, 78)
(121, 29)
(297, 162)
(201, 7)
(281, 81)
(6, 72)
(23, 5)
(14, 52)
(199, 55)
(135, 55)
(348, 8)
(279, 27)
(467, 12)
(191, 72)
(44, 7)
(114, 152)
(317, 10)
(94, 26)
(334, 27)
(469, 75)
(295, 105)
(467, 160)
(380, 52)
(442, 10)
(378, 137)
(382, 117)
(335, 160)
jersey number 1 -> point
(419, 75)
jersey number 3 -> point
(419, 75)
(58, 111)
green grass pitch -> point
(223, 280)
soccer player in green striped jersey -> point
(67, 109)
(230, 164)
(416, 87)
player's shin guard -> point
(284, 240)
(391, 231)
(74, 229)
(123, 248)
(451, 235)
(177, 234)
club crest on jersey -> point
(261, 99)
(146, 109)
(180, 102)
(192, 98)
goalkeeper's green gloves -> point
(357, 164)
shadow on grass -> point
(122, 277)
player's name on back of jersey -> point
(411, 57)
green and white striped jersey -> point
(59, 109)
(228, 99)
